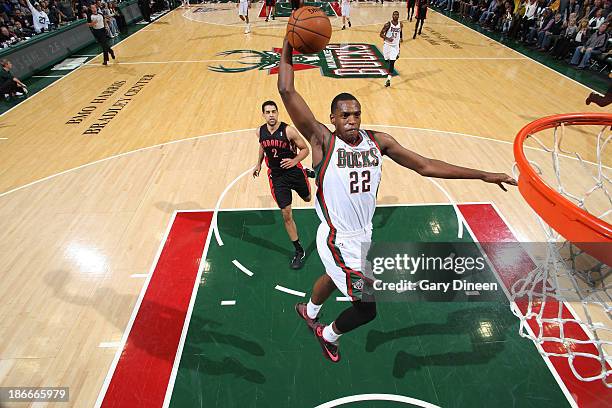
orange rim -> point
(572, 222)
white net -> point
(565, 303)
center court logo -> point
(356, 60)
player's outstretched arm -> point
(298, 110)
(436, 168)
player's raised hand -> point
(499, 179)
(288, 163)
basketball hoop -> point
(578, 255)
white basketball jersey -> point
(394, 34)
(348, 183)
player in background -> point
(392, 36)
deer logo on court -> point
(335, 61)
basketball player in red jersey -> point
(349, 163)
(278, 143)
(420, 16)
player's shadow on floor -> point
(228, 365)
(203, 331)
(242, 231)
(382, 216)
(486, 327)
(210, 37)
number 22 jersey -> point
(348, 180)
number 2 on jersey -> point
(365, 181)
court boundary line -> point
(546, 359)
(187, 321)
(2, 194)
(518, 52)
(76, 69)
(128, 328)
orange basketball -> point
(308, 30)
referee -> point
(96, 23)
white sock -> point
(312, 310)
(329, 334)
(388, 77)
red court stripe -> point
(143, 371)
(490, 230)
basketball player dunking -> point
(278, 142)
(392, 35)
(349, 168)
(243, 13)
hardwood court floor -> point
(75, 246)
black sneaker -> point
(330, 350)
(349, 23)
(387, 84)
(300, 308)
(298, 260)
(310, 173)
(343, 27)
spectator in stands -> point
(565, 41)
(6, 8)
(506, 21)
(56, 17)
(10, 85)
(111, 25)
(119, 18)
(39, 17)
(22, 33)
(7, 38)
(572, 8)
(597, 20)
(528, 20)
(65, 7)
(85, 12)
(550, 33)
(18, 16)
(595, 45)
(488, 13)
(607, 8)
(593, 9)
(544, 21)
(585, 9)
